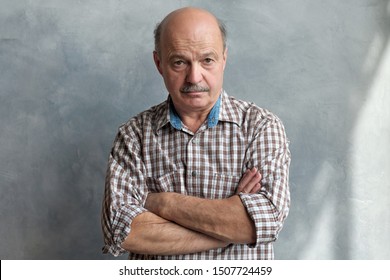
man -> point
(202, 175)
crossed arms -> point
(180, 224)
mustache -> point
(193, 88)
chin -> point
(199, 104)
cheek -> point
(215, 78)
(174, 81)
(171, 78)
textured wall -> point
(72, 71)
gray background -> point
(72, 71)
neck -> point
(194, 120)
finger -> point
(255, 189)
(245, 179)
(252, 184)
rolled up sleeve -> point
(269, 152)
(125, 192)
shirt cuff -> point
(264, 215)
(121, 227)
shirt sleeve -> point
(125, 191)
(269, 152)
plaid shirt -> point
(154, 152)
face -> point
(192, 61)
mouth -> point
(193, 92)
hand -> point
(250, 182)
(151, 202)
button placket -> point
(192, 161)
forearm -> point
(151, 234)
(223, 219)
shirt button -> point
(193, 173)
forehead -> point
(199, 43)
(192, 33)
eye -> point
(208, 60)
(178, 63)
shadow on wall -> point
(339, 176)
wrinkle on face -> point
(192, 54)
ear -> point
(157, 62)
(225, 58)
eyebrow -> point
(211, 53)
(202, 55)
(177, 56)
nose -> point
(194, 74)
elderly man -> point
(202, 175)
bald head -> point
(184, 20)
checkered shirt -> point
(151, 155)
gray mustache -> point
(193, 88)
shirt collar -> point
(173, 115)
(225, 110)
(212, 118)
(230, 110)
